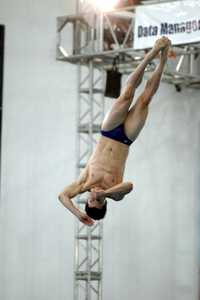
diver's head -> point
(96, 204)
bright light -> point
(106, 5)
(103, 5)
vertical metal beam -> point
(88, 240)
(76, 244)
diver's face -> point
(93, 198)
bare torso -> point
(105, 167)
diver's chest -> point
(103, 176)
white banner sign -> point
(179, 21)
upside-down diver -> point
(103, 174)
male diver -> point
(103, 174)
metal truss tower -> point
(97, 39)
(88, 240)
(90, 113)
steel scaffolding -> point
(96, 40)
(101, 37)
(90, 112)
(88, 240)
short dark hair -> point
(96, 213)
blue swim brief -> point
(117, 134)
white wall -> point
(38, 127)
(150, 246)
(151, 242)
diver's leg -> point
(120, 108)
(138, 113)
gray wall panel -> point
(151, 242)
(39, 103)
